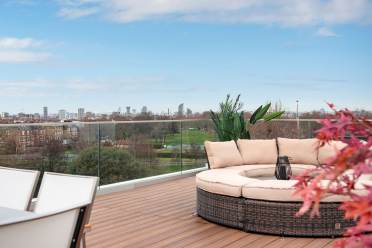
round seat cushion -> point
(258, 182)
(271, 189)
(230, 181)
(226, 181)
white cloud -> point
(23, 56)
(73, 9)
(16, 43)
(279, 12)
(41, 86)
(22, 50)
(74, 13)
(81, 85)
(325, 32)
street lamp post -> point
(297, 119)
(297, 109)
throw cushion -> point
(299, 151)
(329, 150)
(222, 154)
(258, 151)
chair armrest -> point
(32, 204)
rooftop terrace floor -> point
(162, 215)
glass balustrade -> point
(122, 151)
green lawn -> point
(190, 136)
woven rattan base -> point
(271, 217)
(224, 210)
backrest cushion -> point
(17, 187)
(258, 151)
(60, 191)
(222, 154)
(329, 150)
(299, 151)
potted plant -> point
(230, 124)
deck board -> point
(163, 215)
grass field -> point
(189, 136)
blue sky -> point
(102, 55)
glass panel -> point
(83, 152)
(48, 147)
(131, 150)
(194, 133)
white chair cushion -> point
(329, 150)
(60, 191)
(258, 151)
(17, 187)
(222, 154)
(299, 151)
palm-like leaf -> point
(254, 119)
(273, 115)
(262, 112)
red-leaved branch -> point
(341, 173)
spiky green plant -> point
(229, 122)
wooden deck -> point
(162, 215)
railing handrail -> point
(131, 122)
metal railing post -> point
(181, 129)
(99, 151)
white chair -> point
(54, 229)
(60, 191)
(17, 187)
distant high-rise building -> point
(144, 110)
(128, 110)
(4, 114)
(45, 113)
(81, 113)
(62, 114)
(188, 112)
(181, 109)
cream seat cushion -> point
(329, 150)
(283, 190)
(230, 181)
(268, 172)
(222, 181)
(258, 151)
(299, 151)
(222, 154)
(249, 167)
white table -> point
(9, 215)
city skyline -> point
(115, 54)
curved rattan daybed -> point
(270, 217)
(244, 195)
